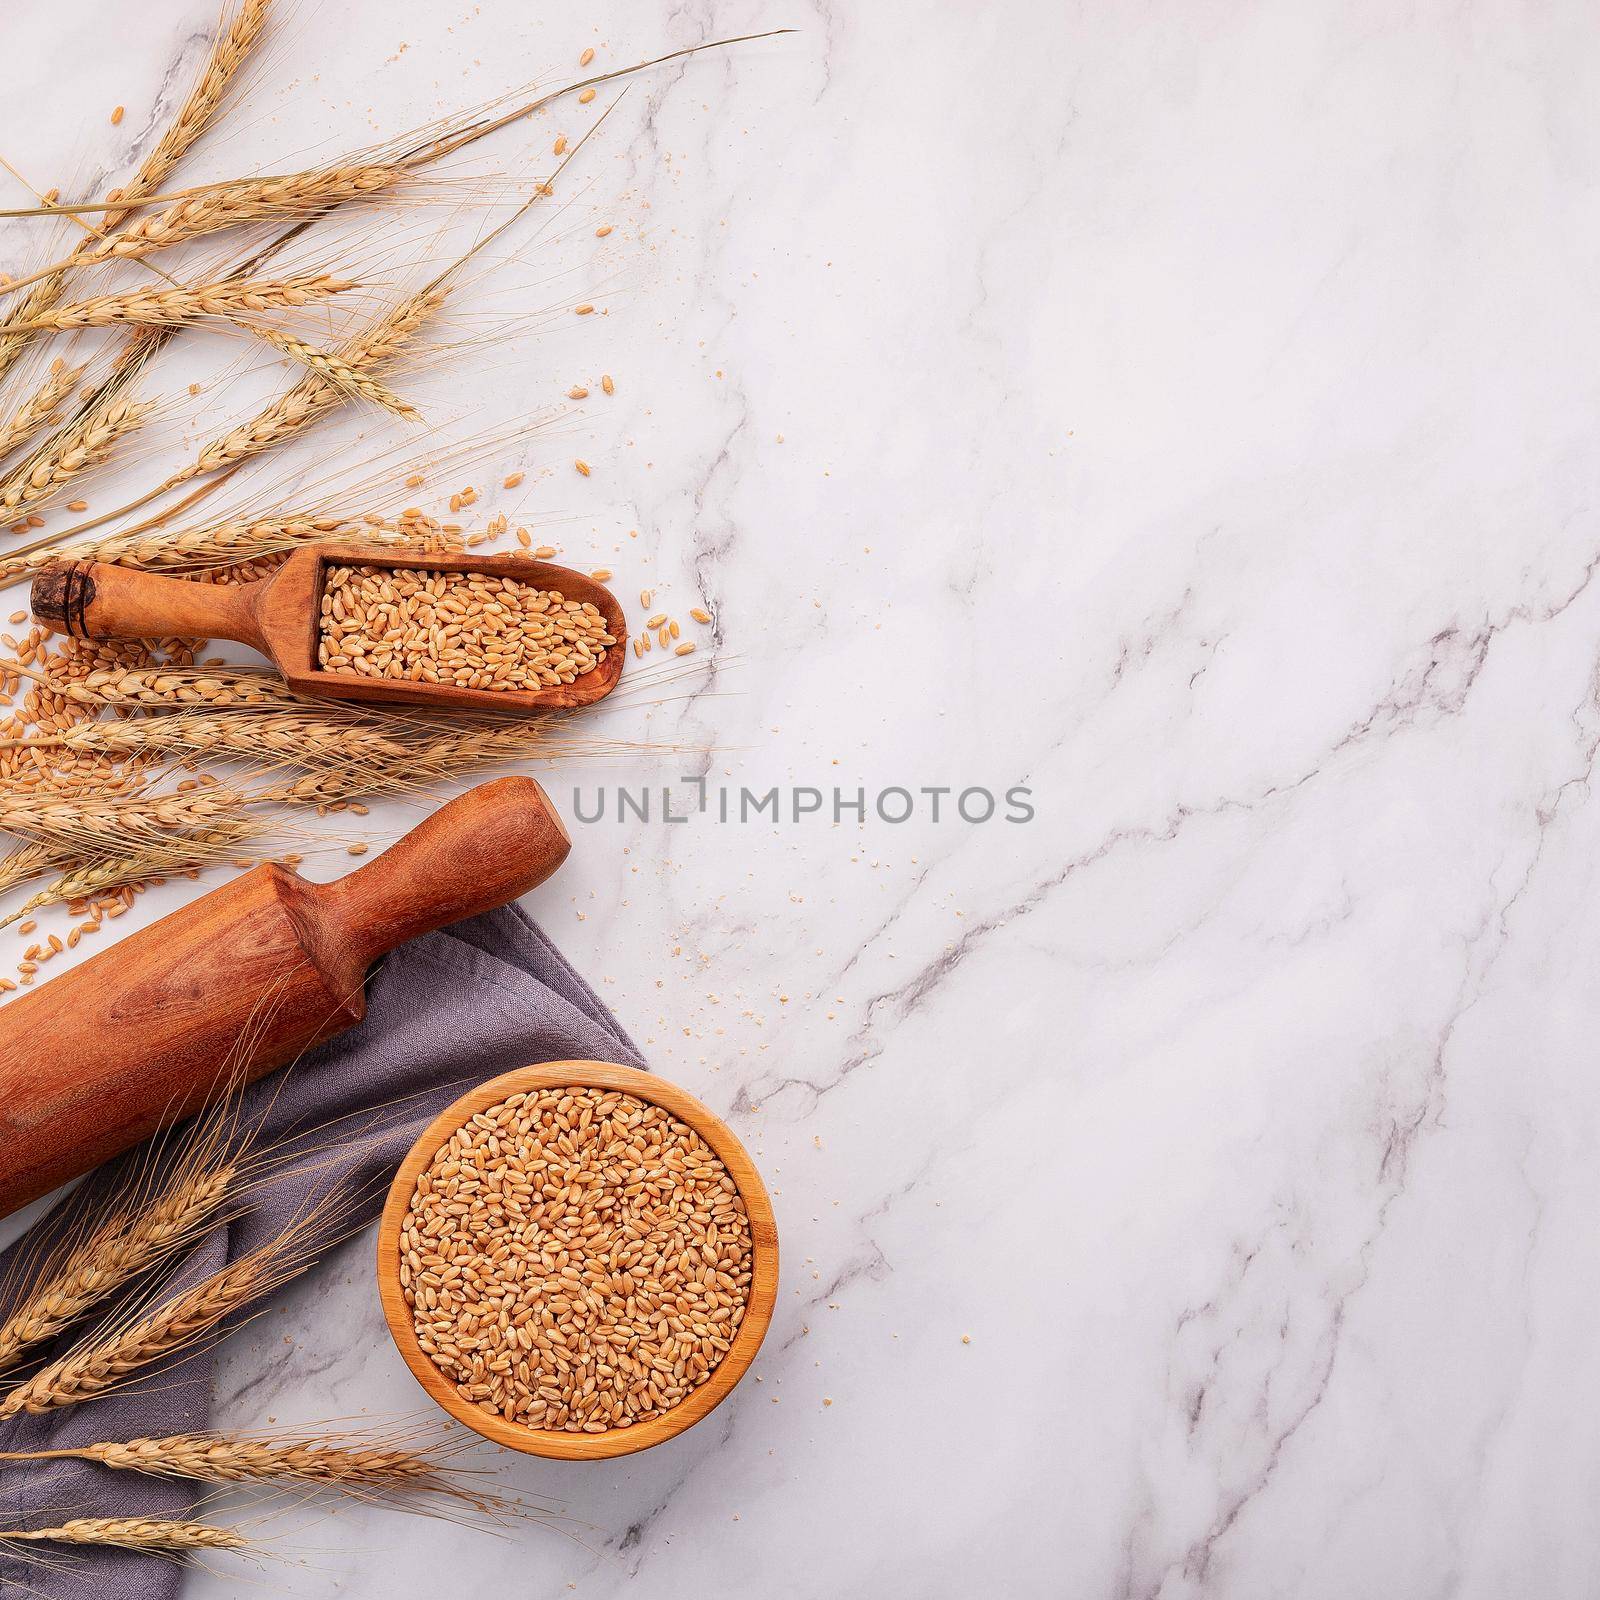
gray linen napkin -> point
(443, 1012)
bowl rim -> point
(550, 1442)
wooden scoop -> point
(279, 617)
(242, 979)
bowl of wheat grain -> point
(578, 1260)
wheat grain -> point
(632, 1290)
(470, 629)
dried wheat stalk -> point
(231, 205)
(30, 861)
(188, 303)
(287, 736)
(44, 294)
(89, 436)
(220, 1458)
(167, 688)
(104, 874)
(228, 51)
(133, 1533)
(136, 1235)
(233, 43)
(298, 409)
(42, 407)
(86, 444)
(225, 205)
(234, 543)
(93, 820)
(314, 394)
(111, 1356)
(347, 752)
(339, 372)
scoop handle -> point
(92, 600)
(483, 849)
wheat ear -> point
(222, 544)
(314, 394)
(218, 1458)
(77, 818)
(42, 407)
(226, 205)
(29, 861)
(133, 1533)
(246, 200)
(89, 436)
(103, 874)
(44, 294)
(171, 688)
(290, 736)
(109, 1358)
(132, 1239)
(167, 688)
(235, 39)
(351, 379)
(229, 48)
(235, 542)
(86, 444)
(187, 303)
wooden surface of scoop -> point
(279, 616)
(240, 981)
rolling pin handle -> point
(483, 849)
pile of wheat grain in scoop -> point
(575, 1259)
(469, 629)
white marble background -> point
(1189, 412)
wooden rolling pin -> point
(138, 1036)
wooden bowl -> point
(763, 1274)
